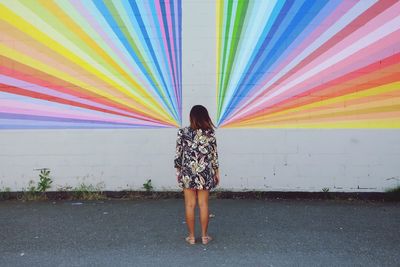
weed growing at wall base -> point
(44, 180)
(5, 193)
(148, 186)
(37, 192)
(89, 192)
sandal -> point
(190, 240)
(206, 239)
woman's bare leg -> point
(190, 204)
(202, 196)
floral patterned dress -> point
(196, 157)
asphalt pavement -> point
(246, 233)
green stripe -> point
(119, 21)
(54, 22)
(225, 34)
(221, 21)
(237, 31)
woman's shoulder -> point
(187, 129)
(211, 133)
(183, 130)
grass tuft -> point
(89, 192)
(394, 190)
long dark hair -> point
(199, 118)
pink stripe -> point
(49, 61)
(374, 24)
(341, 10)
(11, 106)
(164, 38)
(50, 92)
(364, 57)
(377, 22)
(108, 40)
(76, 72)
(178, 46)
(169, 22)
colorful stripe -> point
(308, 64)
(90, 64)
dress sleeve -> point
(179, 150)
(214, 152)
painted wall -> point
(335, 129)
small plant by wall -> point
(44, 180)
(37, 191)
(148, 186)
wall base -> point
(72, 195)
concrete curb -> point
(364, 196)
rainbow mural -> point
(90, 64)
(308, 64)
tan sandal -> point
(190, 240)
(206, 239)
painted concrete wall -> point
(261, 159)
(306, 160)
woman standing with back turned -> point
(196, 163)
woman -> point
(196, 163)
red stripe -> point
(21, 91)
(28, 74)
(325, 90)
(369, 14)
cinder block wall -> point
(250, 159)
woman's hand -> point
(178, 173)
(216, 177)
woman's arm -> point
(214, 152)
(179, 150)
(216, 176)
(214, 158)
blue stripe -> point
(158, 31)
(8, 124)
(164, 18)
(152, 53)
(180, 57)
(296, 26)
(115, 27)
(15, 116)
(277, 15)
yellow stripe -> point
(344, 110)
(356, 124)
(218, 15)
(15, 55)
(26, 27)
(93, 45)
(387, 88)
